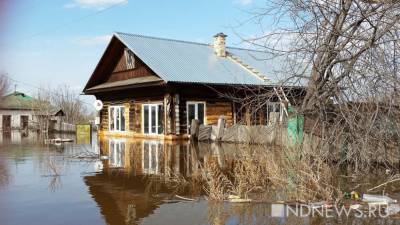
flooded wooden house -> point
(153, 87)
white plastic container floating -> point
(378, 199)
(104, 157)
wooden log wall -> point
(213, 111)
(104, 117)
(128, 113)
(137, 124)
(133, 113)
(216, 109)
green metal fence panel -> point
(295, 128)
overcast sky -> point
(52, 42)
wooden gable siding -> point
(121, 72)
(112, 66)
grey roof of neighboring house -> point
(182, 61)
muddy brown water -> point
(47, 184)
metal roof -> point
(183, 61)
(18, 100)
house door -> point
(6, 122)
(153, 119)
(195, 110)
(24, 122)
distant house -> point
(17, 111)
(153, 87)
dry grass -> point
(281, 174)
(297, 177)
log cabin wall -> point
(215, 106)
(104, 114)
(133, 112)
(216, 109)
(213, 110)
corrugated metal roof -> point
(182, 61)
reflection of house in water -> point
(117, 153)
(161, 158)
(151, 157)
(18, 137)
(121, 189)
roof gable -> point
(112, 69)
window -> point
(195, 110)
(130, 59)
(153, 118)
(117, 118)
(117, 153)
(274, 112)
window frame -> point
(115, 118)
(156, 104)
(129, 55)
(196, 103)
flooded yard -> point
(135, 182)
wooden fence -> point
(269, 134)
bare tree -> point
(345, 52)
(50, 100)
(75, 110)
(4, 86)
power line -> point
(74, 21)
(40, 88)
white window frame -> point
(115, 118)
(150, 117)
(196, 112)
(130, 55)
(274, 105)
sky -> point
(47, 43)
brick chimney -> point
(219, 44)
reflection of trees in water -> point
(4, 174)
(53, 169)
(55, 183)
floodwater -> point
(49, 184)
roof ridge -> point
(182, 41)
(160, 38)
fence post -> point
(220, 127)
(194, 129)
